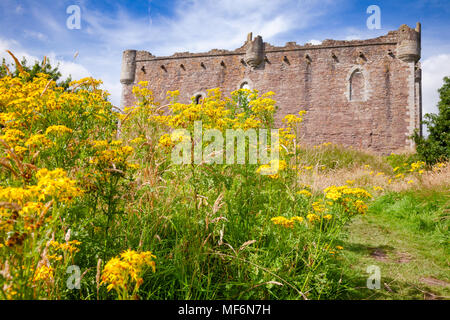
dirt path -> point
(411, 266)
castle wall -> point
(365, 94)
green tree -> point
(436, 147)
(33, 70)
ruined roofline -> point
(391, 38)
(189, 55)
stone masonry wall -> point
(364, 93)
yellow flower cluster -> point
(58, 130)
(333, 251)
(55, 184)
(146, 106)
(318, 206)
(439, 166)
(138, 140)
(360, 206)
(25, 208)
(46, 110)
(169, 140)
(142, 93)
(335, 193)
(69, 246)
(289, 133)
(213, 113)
(43, 273)
(51, 184)
(417, 167)
(43, 131)
(38, 140)
(263, 104)
(272, 168)
(27, 102)
(304, 168)
(12, 135)
(112, 155)
(305, 193)
(292, 119)
(121, 272)
(319, 212)
(166, 141)
(285, 222)
(245, 110)
(409, 168)
(312, 217)
(325, 144)
(351, 199)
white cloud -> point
(16, 49)
(200, 25)
(352, 33)
(35, 35)
(69, 68)
(435, 68)
(315, 42)
(66, 68)
(19, 9)
(352, 37)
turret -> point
(128, 67)
(408, 47)
(255, 51)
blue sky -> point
(38, 28)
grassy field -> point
(406, 235)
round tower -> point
(408, 47)
(255, 52)
(128, 67)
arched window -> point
(357, 86)
(198, 99)
(245, 85)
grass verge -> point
(406, 235)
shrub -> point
(33, 70)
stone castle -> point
(361, 93)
